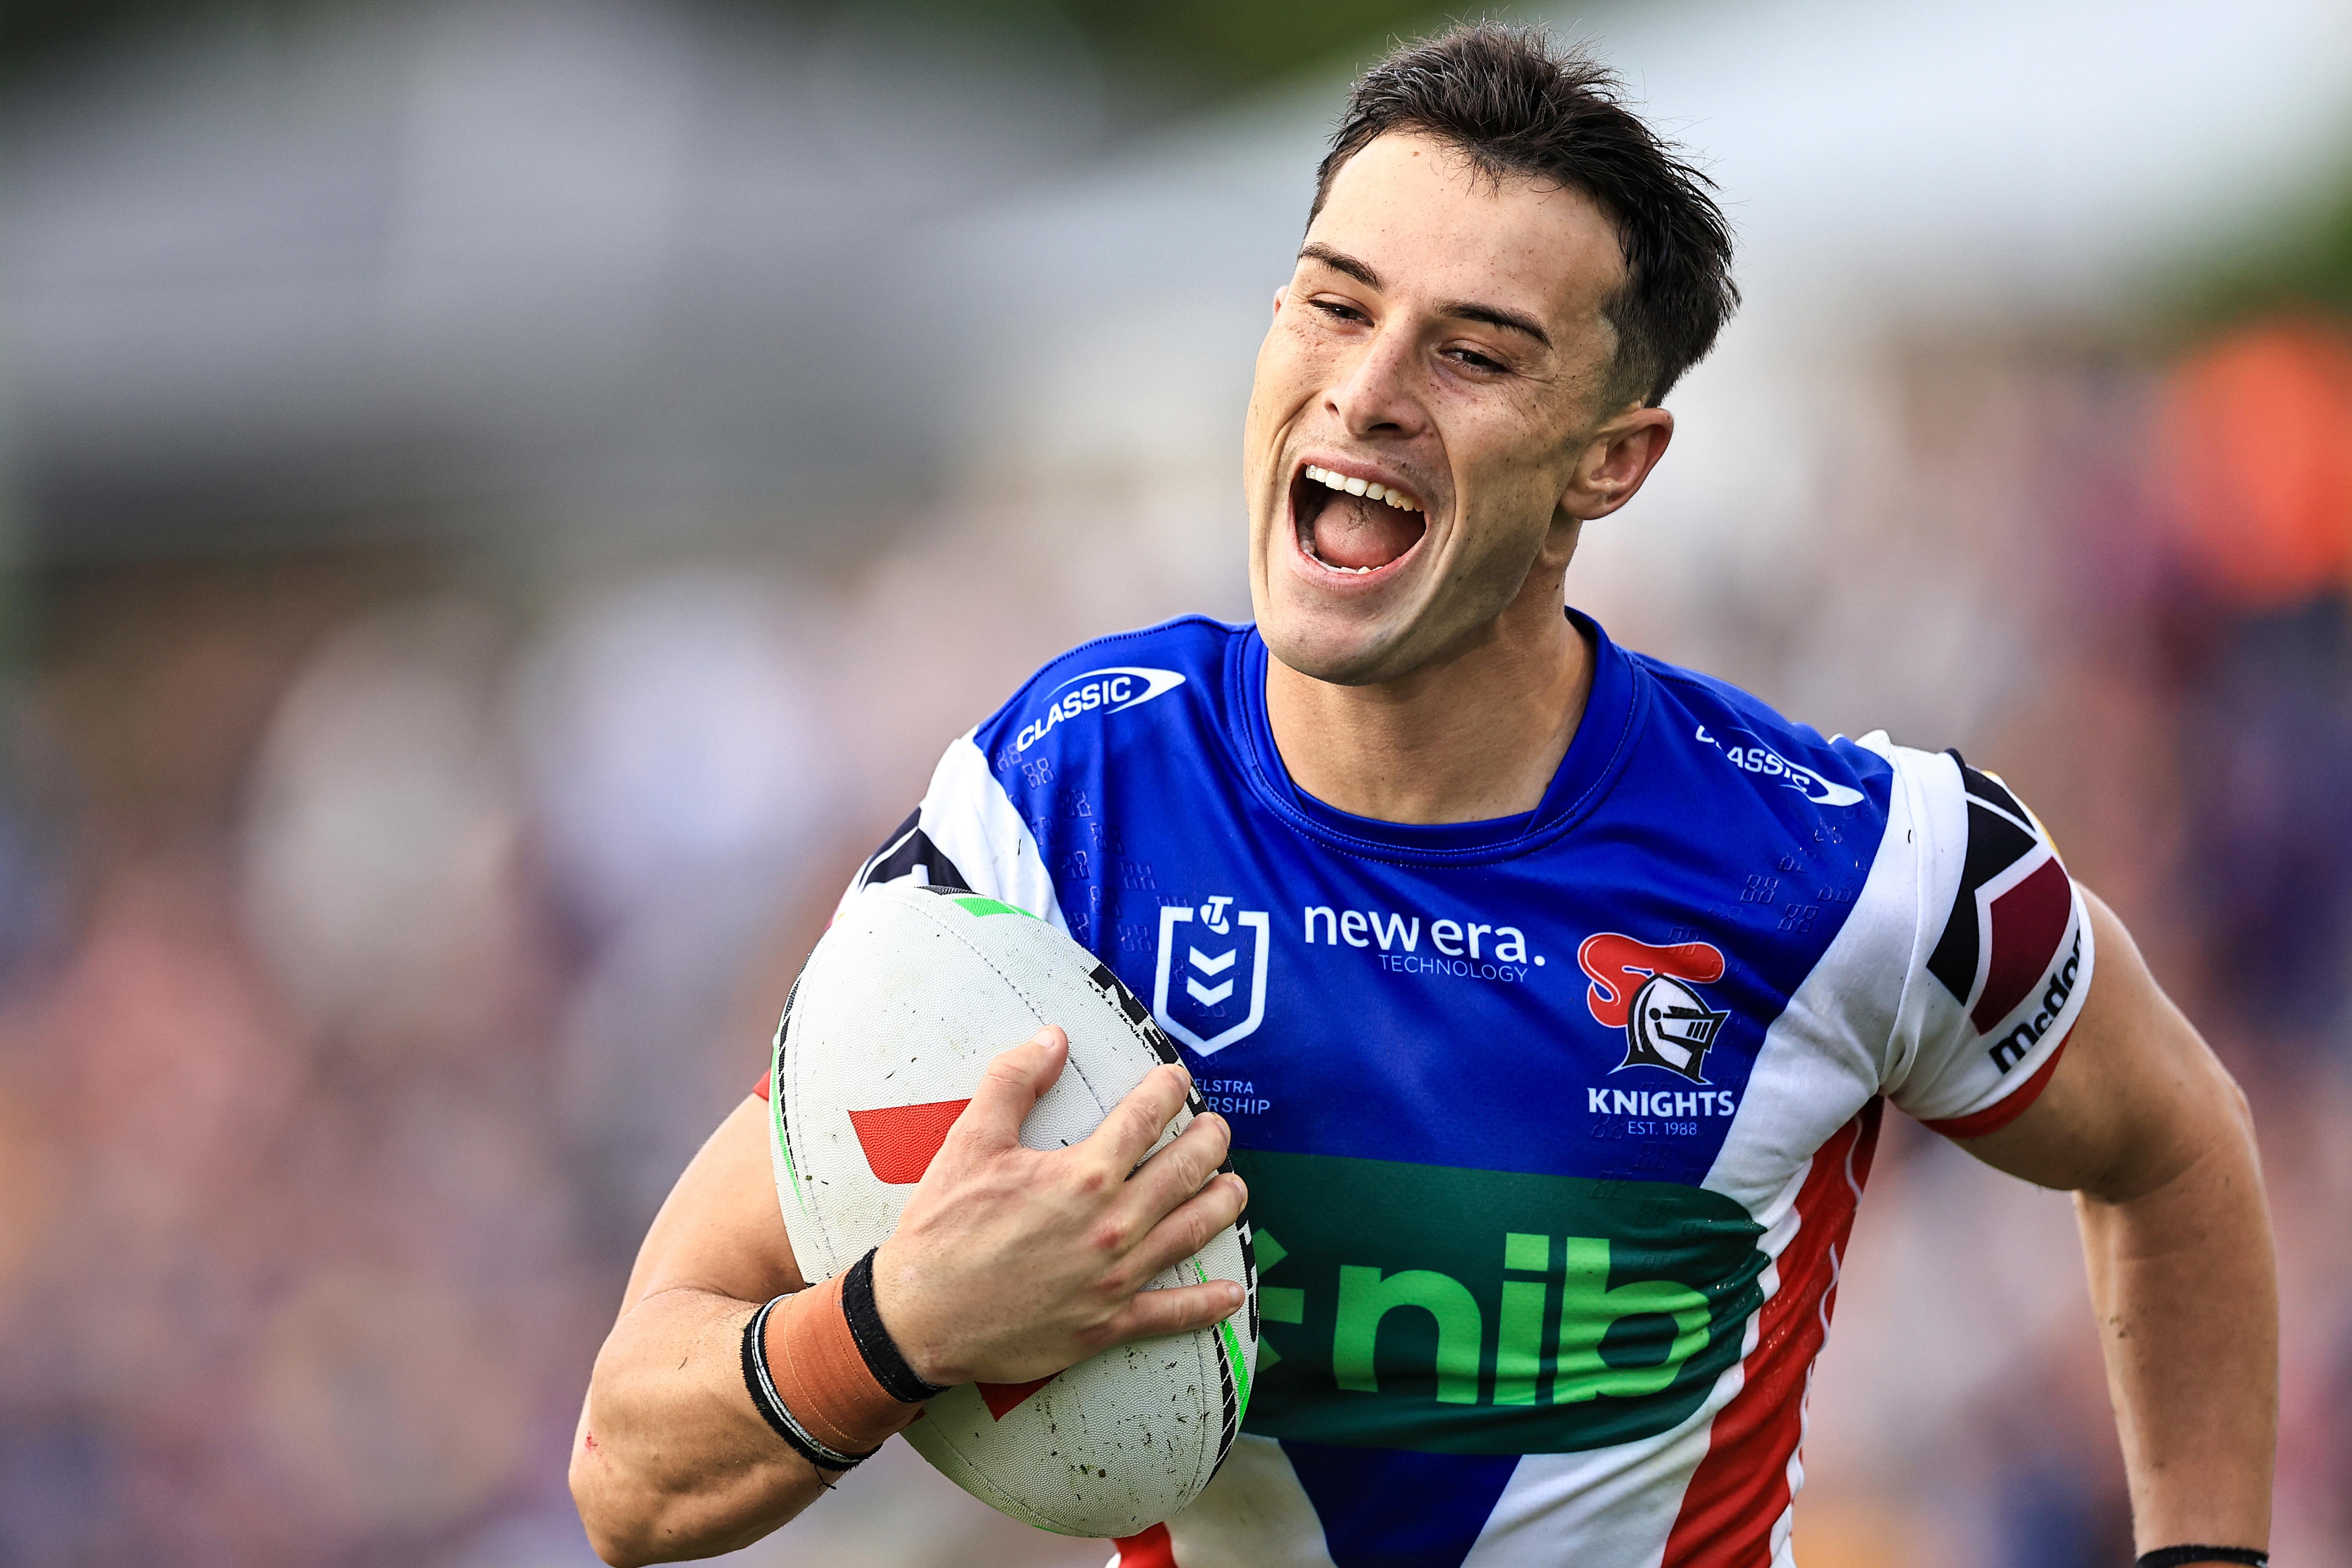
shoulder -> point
(1959, 964)
(1111, 675)
(1741, 743)
(983, 821)
(1935, 831)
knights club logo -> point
(1218, 952)
(1646, 990)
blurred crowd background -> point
(502, 501)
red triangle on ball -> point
(1002, 1396)
(900, 1139)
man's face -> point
(1442, 339)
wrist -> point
(886, 1358)
(2188, 1555)
(906, 1325)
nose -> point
(1375, 394)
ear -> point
(1280, 295)
(1615, 462)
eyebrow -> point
(1460, 309)
(1340, 261)
(1470, 311)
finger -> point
(1011, 1086)
(1173, 1311)
(1191, 1227)
(1179, 1170)
(1136, 1122)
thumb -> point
(1012, 1086)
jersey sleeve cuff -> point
(2007, 1108)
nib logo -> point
(1221, 952)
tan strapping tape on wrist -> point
(822, 1378)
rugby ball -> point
(883, 1041)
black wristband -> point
(2181, 1556)
(883, 1357)
(771, 1406)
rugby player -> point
(1549, 993)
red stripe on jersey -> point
(1152, 1549)
(900, 1139)
(760, 1088)
(2007, 1108)
(2028, 924)
(1741, 1487)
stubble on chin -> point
(1357, 653)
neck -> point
(1476, 737)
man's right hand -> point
(1011, 1264)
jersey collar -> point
(1596, 755)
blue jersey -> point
(1553, 1125)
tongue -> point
(1353, 532)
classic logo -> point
(1489, 1311)
(1749, 754)
(1210, 1011)
(1112, 689)
(1640, 988)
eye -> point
(1339, 310)
(1477, 361)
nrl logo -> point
(1206, 1013)
(1643, 989)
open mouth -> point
(1351, 523)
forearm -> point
(672, 1460)
(2186, 1291)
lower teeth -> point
(1359, 570)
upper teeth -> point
(1359, 487)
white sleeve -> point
(2001, 959)
(966, 833)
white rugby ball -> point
(883, 1040)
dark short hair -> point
(1516, 103)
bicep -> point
(721, 1230)
(2135, 1098)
